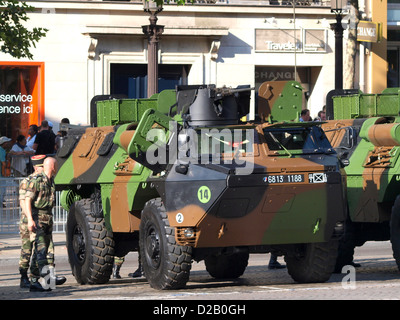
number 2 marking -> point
(179, 217)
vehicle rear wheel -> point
(227, 266)
(166, 265)
(90, 245)
(395, 230)
(313, 262)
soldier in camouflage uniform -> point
(29, 237)
(39, 201)
(26, 236)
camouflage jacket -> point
(41, 190)
(23, 185)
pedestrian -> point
(52, 134)
(273, 262)
(39, 201)
(305, 115)
(3, 155)
(62, 133)
(321, 116)
(32, 131)
(28, 237)
(20, 153)
(118, 261)
(45, 140)
(3, 166)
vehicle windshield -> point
(300, 139)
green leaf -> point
(15, 38)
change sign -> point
(368, 31)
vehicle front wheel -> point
(166, 265)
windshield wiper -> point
(280, 144)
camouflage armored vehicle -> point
(180, 178)
(366, 135)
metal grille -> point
(10, 210)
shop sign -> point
(368, 31)
(21, 96)
(263, 74)
(290, 40)
(16, 103)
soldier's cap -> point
(38, 160)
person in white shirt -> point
(20, 154)
(32, 131)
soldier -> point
(118, 261)
(26, 236)
(273, 262)
(29, 237)
(39, 201)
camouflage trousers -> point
(118, 261)
(28, 240)
(44, 230)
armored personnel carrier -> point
(180, 178)
(366, 134)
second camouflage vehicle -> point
(180, 178)
(366, 133)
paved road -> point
(378, 278)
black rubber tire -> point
(395, 231)
(90, 245)
(314, 262)
(227, 266)
(166, 265)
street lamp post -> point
(152, 32)
(337, 7)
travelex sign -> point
(16, 103)
(290, 40)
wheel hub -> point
(78, 244)
(153, 248)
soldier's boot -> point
(137, 274)
(60, 280)
(115, 273)
(46, 282)
(274, 264)
(24, 283)
(35, 286)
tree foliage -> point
(15, 38)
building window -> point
(21, 97)
(131, 79)
(393, 68)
